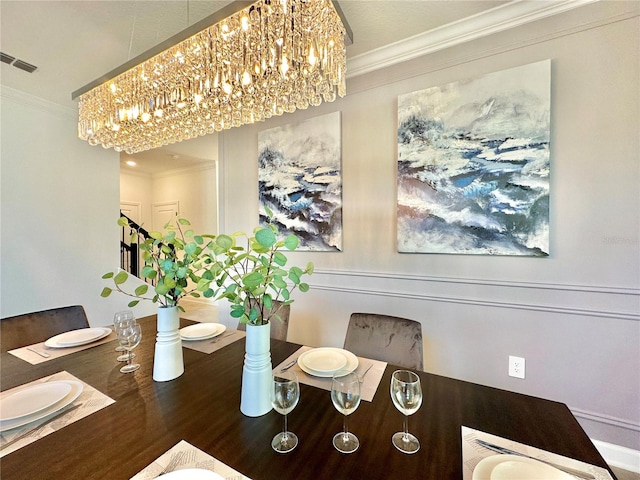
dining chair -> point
(35, 327)
(279, 328)
(382, 337)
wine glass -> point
(285, 393)
(345, 395)
(120, 320)
(406, 394)
(130, 337)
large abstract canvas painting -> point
(473, 165)
(300, 181)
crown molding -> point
(26, 99)
(505, 17)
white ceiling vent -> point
(22, 65)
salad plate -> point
(32, 399)
(75, 338)
(508, 467)
(74, 392)
(202, 331)
(350, 366)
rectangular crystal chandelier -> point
(270, 57)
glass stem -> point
(344, 428)
(284, 432)
(406, 428)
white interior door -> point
(131, 210)
(162, 213)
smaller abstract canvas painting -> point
(473, 165)
(300, 180)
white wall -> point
(574, 316)
(60, 204)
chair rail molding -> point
(497, 300)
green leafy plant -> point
(254, 275)
(175, 261)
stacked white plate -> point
(36, 401)
(325, 361)
(508, 467)
(75, 338)
(201, 331)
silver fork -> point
(288, 365)
(361, 378)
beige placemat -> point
(210, 345)
(373, 370)
(473, 453)
(184, 455)
(28, 353)
(89, 401)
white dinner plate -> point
(76, 390)
(324, 360)
(202, 331)
(192, 474)
(352, 362)
(78, 337)
(32, 399)
(508, 467)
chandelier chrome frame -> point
(243, 64)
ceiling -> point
(75, 42)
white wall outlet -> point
(516, 367)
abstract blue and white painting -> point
(473, 165)
(300, 180)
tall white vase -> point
(167, 361)
(255, 398)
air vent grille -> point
(27, 67)
(21, 64)
(6, 58)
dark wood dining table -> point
(202, 407)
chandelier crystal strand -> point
(269, 58)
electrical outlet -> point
(516, 367)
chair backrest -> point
(30, 328)
(279, 328)
(382, 337)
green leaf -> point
(203, 284)
(225, 242)
(123, 222)
(304, 287)
(184, 221)
(309, 269)
(280, 258)
(162, 289)
(108, 275)
(182, 272)
(208, 293)
(120, 278)
(155, 235)
(133, 303)
(291, 242)
(294, 277)
(191, 248)
(198, 239)
(268, 211)
(141, 290)
(267, 301)
(252, 279)
(265, 237)
(147, 271)
(279, 282)
(106, 291)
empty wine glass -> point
(130, 337)
(285, 393)
(406, 394)
(345, 395)
(120, 320)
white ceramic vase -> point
(167, 361)
(255, 399)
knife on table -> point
(29, 432)
(572, 471)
